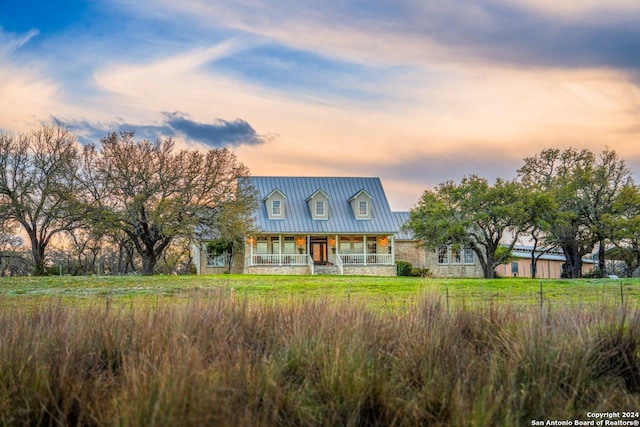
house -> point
(549, 265)
(344, 225)
(310, 225)
(446, 261)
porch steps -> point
(326, 270)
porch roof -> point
(298, 219)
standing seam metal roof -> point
(341, 217)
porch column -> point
(364, 248)
(308, 247)
(393, 250)
(250, 250)
(279, 249)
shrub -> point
(404, 268)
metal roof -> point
(400, 218)
(341, 217)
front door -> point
(319, 251)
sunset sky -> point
(413, 91)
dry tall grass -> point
(313, 362)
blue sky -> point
(414, 91)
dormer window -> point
(361, 205)
(276, 207)
(274, 204)
(363, 208)
(319, 205)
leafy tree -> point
(38, 186)
(472, 213)
(584, 187)
(541, 213)
(155, 194)
(600, 184)
(231, 222)
(625, 226)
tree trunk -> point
(37, 251)
(602, 265)
(573, 266)
(485, 262)
(149, 261)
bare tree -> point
(155, 194)
(13, 259)
(38, 187)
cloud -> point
(26, 93)
(421, 32)
(220, 133)
(9, 42)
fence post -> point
(541, 298)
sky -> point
(415, 92)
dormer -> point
(274, 203)
(319, 205)
(361, 205)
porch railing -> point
(362, 259)
(310, 264)
(340, 264)
(278, 259)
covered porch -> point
(346, 253)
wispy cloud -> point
(522, 33)
(10, 41)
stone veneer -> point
(408, 250)
(452, 270)
(278, 269)
(369, 270)
(237, 265)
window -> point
(469, 256)
(456, 256)
(319, 207)
(443, 255)
(276, 208)
(372, 245)
(358, 245)
(345, 245)
(215, 259)
(514, 268)
(289, 245)
(363, 208)
(275, 245)
(262, 246)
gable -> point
(274, 204)
(318, 204)
(361, 205)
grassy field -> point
(315, 351)
(384, 292)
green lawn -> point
(386, 292)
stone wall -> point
(451, 270)
(278, 269)
(237, 265)
(370, 270)
(408, 250)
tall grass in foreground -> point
(217, 361)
